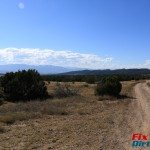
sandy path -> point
(142, 93)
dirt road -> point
(142, 93)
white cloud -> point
(51, 57)
(21, 5)
(146, 64)
(62, 58)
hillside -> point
(43, 69)
(110, 72)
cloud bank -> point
(145, 65)
(64, 58)
(51, 57)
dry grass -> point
(78, 122)
(12, 112)
(2, 130)
(148, 83)
(11, 118)
(128, 86)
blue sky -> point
(77, 33)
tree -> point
(109, 86)
(90, 79)
(23, 85)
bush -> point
(2, 130)
(23, 85)
(90, 79)
(64, 91)
(1, 96)
(148, 84)
(109, 86)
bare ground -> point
(90, 124)
(142, 92)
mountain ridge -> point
(42, 69)
(110, 72)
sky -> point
(96, 34)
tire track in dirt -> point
(142, 93)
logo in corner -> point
(140, 140)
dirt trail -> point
(142, 93)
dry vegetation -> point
(148, 83)
(78, 122)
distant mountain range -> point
(50, 69)
(110, 72)
(42, 69)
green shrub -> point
(109, 86)
(1, 96)
(23, 85)
(90, 79)
(86, 85)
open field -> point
(82, 122)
